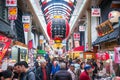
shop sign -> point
(95, 12)
(4, 45)
(26, 19)
(104, 28)
(12, 13)
(26, 27)
(76, 36)
(81, 28)
(11, 3)
(117, 54)
(113, 16)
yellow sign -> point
(26, 25)
(58, 45)
(58, 16)
(12, 11)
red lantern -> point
(58, 29)
(102, 56)
(105, 56)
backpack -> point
(32, 70)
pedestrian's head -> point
(7, 75)
(82, 65)
(55, 63)
(62, 66)
(72, 67)
(43, 63)
(24, 66)
(17, 68)
(88, 68)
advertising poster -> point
(117, 54)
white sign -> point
(11, 3)
(81, 28)
(95, 12)
(26, 19)
(76, 36)
(113, 16)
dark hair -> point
(10, 68)
(24, 63)
(7, 74)
(82, 64)
(16, 64)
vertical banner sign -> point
(30, 44)
(76, 36)
(12, 13)
(26, 27)
(11, 3)
(4, 45)
(117, 54)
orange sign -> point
(12, 13)
(26, 27)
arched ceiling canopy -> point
(52, 8)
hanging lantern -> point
(58, 29)
(113, 16)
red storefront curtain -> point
(4, 45)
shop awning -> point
(108, 37)
(80, 48)
(41, 52)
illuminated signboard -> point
(104, 28)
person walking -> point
(85, 74)
(62, 74)
(29, 75)
(43, 72)
(71, 71)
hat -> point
(87, 66)
(72, 65)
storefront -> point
(19, 51)
(107, 37)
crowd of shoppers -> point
(61, 69)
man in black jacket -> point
(62, 74)
(43, 72)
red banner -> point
(4, 45)
(30, 44)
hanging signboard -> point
(104, 28)
(12, 13)
(95, 12)
(11, 3)
(26, 27)
(26, 19)
(117, 54)
(81, 28)
(76, 36)
(4, 45)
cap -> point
(87, 66)
(72, 65)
